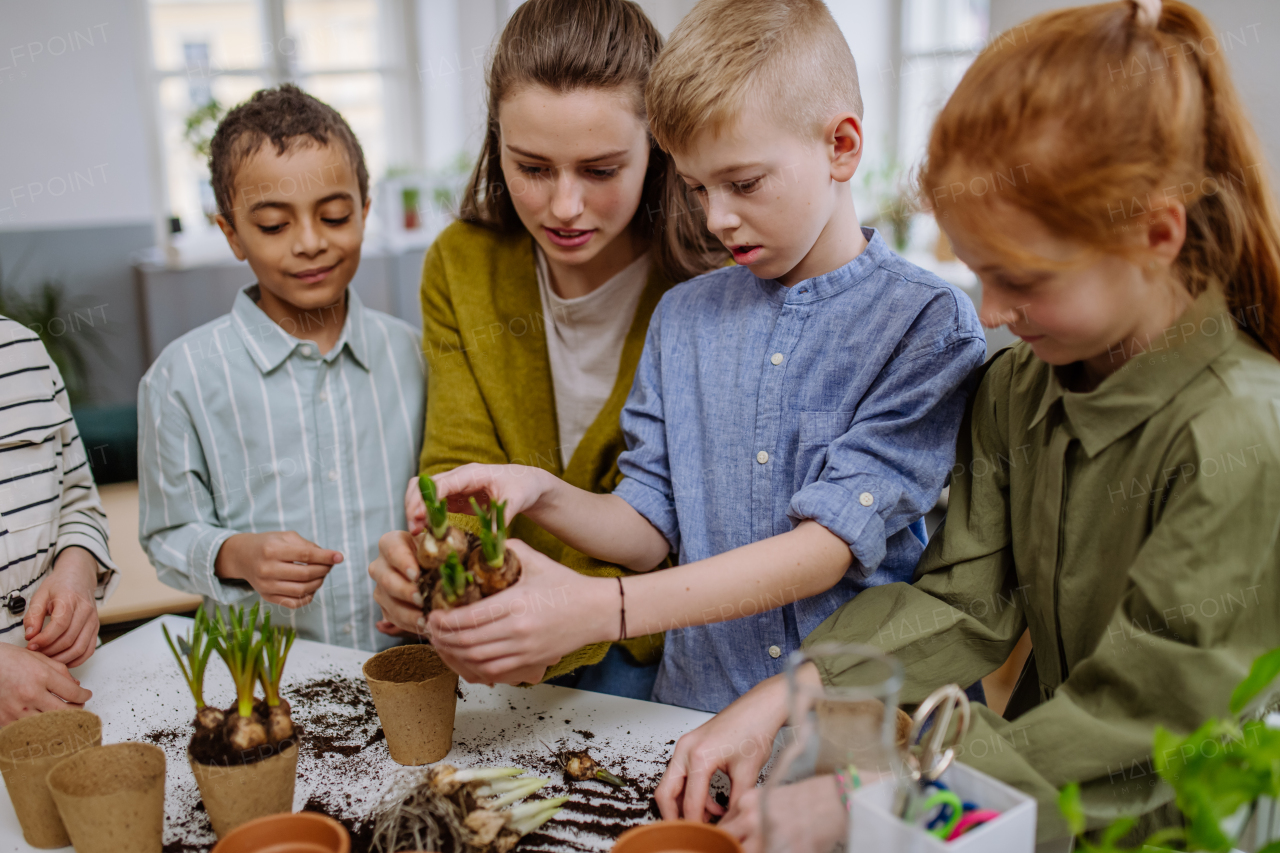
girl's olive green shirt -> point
(1132, 529)
(489, 393)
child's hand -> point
(66, 597)
(737, 741)
(415, 509)
(521, 486)
(815, 816)
(551, 611)
(31, 683)
(282, 567)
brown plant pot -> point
(111, 798)
(29, 749)
(416, 695)
(304, 832)
(670, 836)
(234, 795)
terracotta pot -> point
(240, 793)
(29, 749)
(416, 696)
(304, 832)
(111, 798)
(676, 836)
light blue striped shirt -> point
(243, 428)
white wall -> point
(1255, 66)
(73, 133)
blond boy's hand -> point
(31, 683)
(415, 509)
(66, 598)
(523, 487)
(282, 567)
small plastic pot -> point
(304, 832)
(111, 798)
(416, 695)
(676, 836)
(29, 749)
(240, 793)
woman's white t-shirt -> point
(584, 341)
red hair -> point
(1091, 119)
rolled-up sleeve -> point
(645, 467)
(888, 469)
(178, 523)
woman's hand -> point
(66, 597)
(551, 611)
(31, 683)
(523, 487)
(737, 741)
(395, 574)
(415, 508)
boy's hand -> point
(521, 486)
(66, 597)
(737, 741)
(31, 683)
(551, 611)
(282, 567)
(396, 574)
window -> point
(351, 54)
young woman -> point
(535, 303)
(1117, 486)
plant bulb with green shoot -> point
(456, 587)
(192, 653)
(494, 566)
(241, 651)
(276, 642)
(438, 540)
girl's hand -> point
(521, 486)
(66, 597)
(415, 510)
(737, 741)
(551, 611)
(31, 683)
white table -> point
(137, 689)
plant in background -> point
(276, 642)
(241, 651)
(192, 653)
(495, 567)
(200, 125)
(69, 337)
(1218, 772)
(893, 202)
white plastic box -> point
(873, 828)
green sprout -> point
(276, 642)
(192, 653)
(493, 533)
(237, 647)
(437, 508)
(454, 577)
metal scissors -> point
(929, 759)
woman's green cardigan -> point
(489, 392)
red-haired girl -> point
(1117, 484)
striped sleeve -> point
(82, 521)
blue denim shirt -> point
(756, 406)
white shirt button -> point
(775, 652)
(776, 358)
(305, 350)
(324, 397)
(333, 476)
(347, 628)
(865, 499)
(762, 457)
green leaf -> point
(1273, 847)
(1072, 808)
(437, 509)
(1263, 672)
